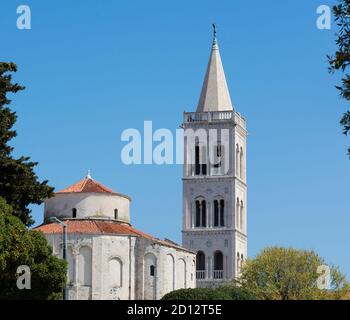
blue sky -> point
(94, 68)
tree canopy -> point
(224, 292)
(341, 59)
(20, 246)
(290, 274)
(19, 184)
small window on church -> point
(115, 214)
(151, 271)
(74, 212)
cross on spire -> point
(214, 30)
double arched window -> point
(217, 268)
(219, 213)
(201, 213)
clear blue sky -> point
(95, 68)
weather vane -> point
(214, 28)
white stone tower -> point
(214, 180)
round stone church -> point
(107, 257)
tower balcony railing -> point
(218, 274)
(200, 274)
(212, 116)
(207, 116)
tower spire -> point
(215, 95)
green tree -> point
(19, 184)
(225, 292)
(290, 274)
(341, 59)
(20, 246)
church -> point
(109, 259)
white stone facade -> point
(112, 267)
(108, 259)
(88, 205)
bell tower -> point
(214, 180)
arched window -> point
(169, 281)
(241, 215)
(222, 212)
(116, 272)
(242, 261)
(152, 270)
(216, 213)
(201, 213)
(149, 276)
(181, 274)
(85, 266)
(74, 212)
(241, 162)
(204, 214)
(200, 262)
(237, 160)
(198, 214)
(219, 213)
(197, 160)
(237, 214)
(200, 159)
(200, 265)
(115, 214)
(218, 265)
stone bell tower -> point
(214, 180)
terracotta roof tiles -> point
(89, 185)
(101, 227)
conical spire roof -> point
(215, 95)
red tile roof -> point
(89, 185)
(101, 227)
